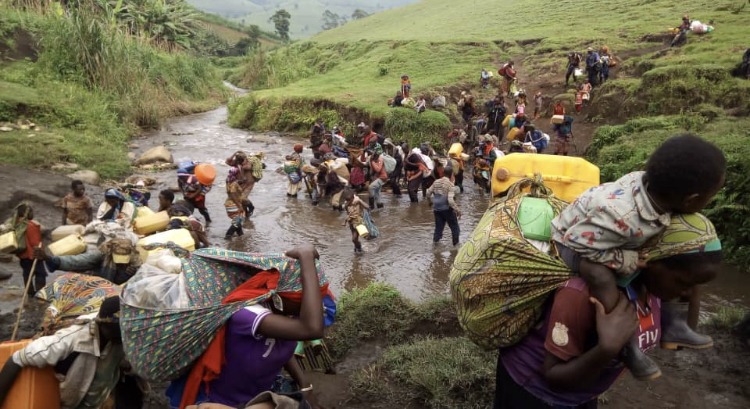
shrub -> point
(404, 124)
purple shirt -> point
(568, 331)
(252, 360)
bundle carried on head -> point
(162, 339)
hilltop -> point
(307, 15)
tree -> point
(280, 20)
(358, 14)
(330, 20)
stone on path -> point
(156, 154)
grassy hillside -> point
(89, 87)
(306, 14)
(348, 73)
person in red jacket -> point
(30, 231)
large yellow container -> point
(148, 224)
(144, 211)
(567, 176)
(65, 231)
(456, 150)
(507, 119)
(514, 133)
(8, 243)
(180, 237)
(34, 388)
(69, 246)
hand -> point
(642, 261)
(458, 214)
(40, 254)
(302, 251)
(617, 327)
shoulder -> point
(247, 320)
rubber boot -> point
(640, 365)
(371, 201)
(249, 208)
(676, 332)
(230, 232)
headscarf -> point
(114, 194)
(686, 233)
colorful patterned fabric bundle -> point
(163, 342)
(72, 295)
(499, 280)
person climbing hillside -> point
(607, 61)
(593, 65)
(405, 86)
(574, 62)
(681, 37)
(484, 79)
(564, 133)
(509, 74)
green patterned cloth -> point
(500, 281)
(686, 233)
(162, 343)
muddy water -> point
(403, 255)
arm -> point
(90, 211)
(7, 377)
(296, 372)
(362, 203)
(567, 371)
(452, 201)
(309, 325)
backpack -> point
(440, 202)
(501, 71)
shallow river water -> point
(403, 255)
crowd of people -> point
(619, 302)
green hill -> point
(307, 15)
(347, 74)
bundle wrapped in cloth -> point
(168, 320)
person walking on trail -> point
(682, 30)
(564, 135)
(355, 212)
(593, 65)
(233, 204)
(538, 103)
(444, 206)
(508, 72)
(485, 79)
(28, 237)
(405, 86)
(574, 62)
(495, 116)
(599, 237)
(606, 63)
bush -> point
(404, 124)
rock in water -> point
(86, 176)
(156, 154)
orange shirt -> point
(33, 238)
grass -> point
(727, 318)
(91, 88)
(421, 362)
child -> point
(355, 208)
(166, 197)
(405, 86)
(421, 105)
(29, 236)
(521, 104)
(77, 207)
(233, 204)
(558, 108)
(538, 102)
(579, 102)
(599, 234)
